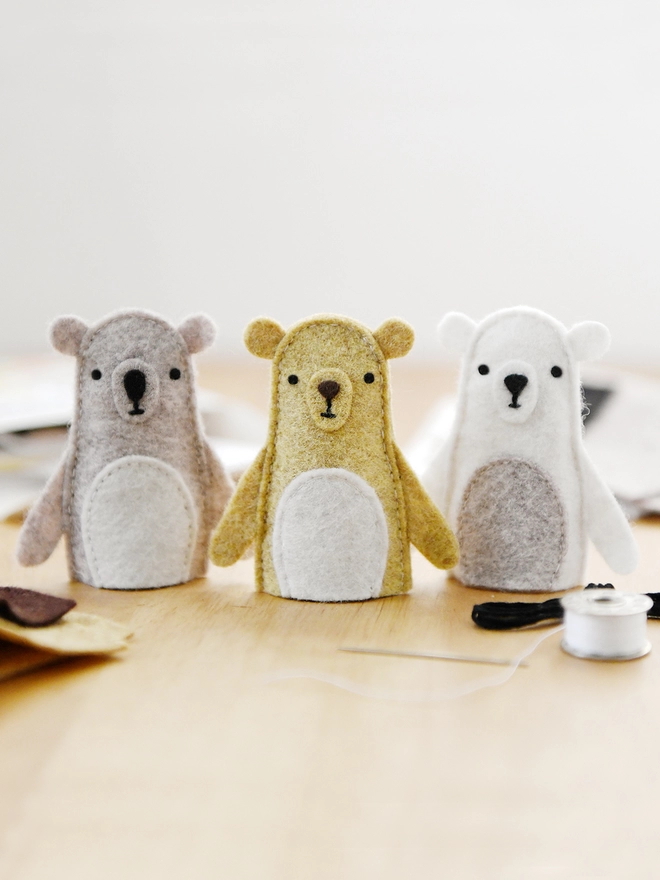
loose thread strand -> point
(457, 693)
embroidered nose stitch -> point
(329, 390)
(515, 384)
(135, 383)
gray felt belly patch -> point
(511, 528)
(330, 539)
(139, 525)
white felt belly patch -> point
(139, 525)
(330, 538)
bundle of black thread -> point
(513, 615)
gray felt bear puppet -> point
(139, 489)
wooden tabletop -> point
(234, 741)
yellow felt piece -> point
(357, 437)
(75, 633)
(262, 336)
(19, 659)
(238, 526)
(395, 337)
(427, 528)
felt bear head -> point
(328, 368)
(520, 362)
(133, 364)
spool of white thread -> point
(605, 625)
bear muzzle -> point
(329, 398)
(135, 390)
(515, 391)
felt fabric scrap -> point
(31, 608)
(20, 659)
(75, 633)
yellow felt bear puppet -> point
(330, 502)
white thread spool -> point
(605, 625)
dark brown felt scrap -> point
(30, 608)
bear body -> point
(139, 489)
(514, 478)
(330, 503)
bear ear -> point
(198, 332)
(589, 341)
(66, 334)
(455, 332)
(394, 337)
(262, 336)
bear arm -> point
(607, 525)
(221, 485)
(238, 526)
(427, 528)
(44, 524)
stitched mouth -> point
(328, 414)
(136, 411)
(514, 400)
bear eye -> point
(293, 379)
(96, 374)
(556, 372)
(369, 378)
(484, 369)
(175, 373)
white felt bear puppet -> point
(514, 480)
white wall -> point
(362, 156)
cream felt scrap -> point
(330, 503)
(139, 489)
(75, 633)
(514, 479)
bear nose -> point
(515, 382)
(135, 383)
(329, 389)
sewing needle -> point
(460, 658)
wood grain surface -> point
(193, 754)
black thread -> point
(135, 383)
(513, 615)
(515, 383)
(328, 414)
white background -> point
(361, 156)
